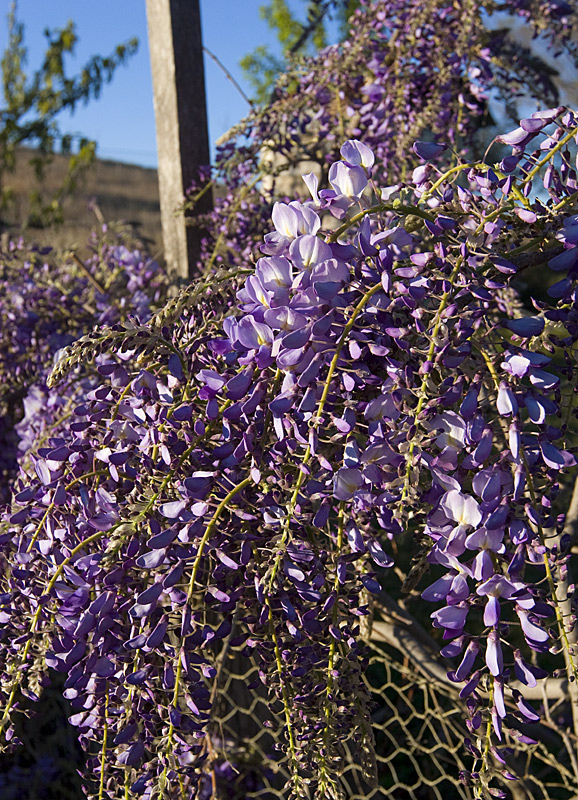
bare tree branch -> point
(399, 629)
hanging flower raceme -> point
(407, 69)
(249, 465)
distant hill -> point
(121, 192)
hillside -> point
(120, 192)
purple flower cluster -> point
(242, 471)
(45, 306)
(407, 68)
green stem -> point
(80, 478)
(452, 171)
(564, 140)
(284, 695)
(570, 664)
(39, 528)
(398, 208)
(422, 394)
(104, 746)
(489, 364)
(301, 476)
(488, 740)
(332, 651)
(210, 527)
(208, 531)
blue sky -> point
(122, 120)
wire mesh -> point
(419, 728)
(418, 723)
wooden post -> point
(176, 52)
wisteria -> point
(48, 301)
(409, 70)
(358, 379)
(244, 470)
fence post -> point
(176, 53)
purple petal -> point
(450, 617)
(350, 182)
(371, 584)
(150, 595)
(162, 539)
(308, 250)
(222, 597)
(564, 261)
(378, 555)
(526, 326)
(499, 704)
(494, 657)
(526, 710)
(152, 559)
(517, 137)
(158, 634)
(492, 611)
(526, 215)
(357, 154)
(312, 182)
(506, 403)
(137, 678)
(438, 590)
(542, 379)
(468, 661)
(531, 631)
(536, 408)
(461, 508)
(552, 456)
(286, 220)
(172, 510)
(238, 386)
(427, 150)
(346, 482)
(354, 538)
(104, 668)
(560, 289)
(133, 755)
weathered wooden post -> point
(176, 52)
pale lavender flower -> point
(349, 182)
(468, 661)
(532, 632)
(357, 154)
(452, 427)
(464, 510)
(451, 618)
(347, 481)
(286, 220)
(308, 250)
(494, 656)
(506, 403)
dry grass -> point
(120, 191)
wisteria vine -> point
(409, 69)
(242, 470)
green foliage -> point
(32, 103)
(296, 37)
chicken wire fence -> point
(418, 724)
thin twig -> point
(228, 75)
(399, 629)
(84, 269)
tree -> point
(32, 105)
(297, 38)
